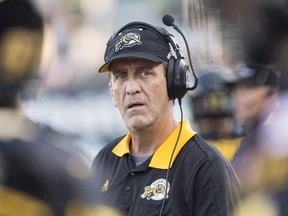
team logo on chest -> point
(156, 191)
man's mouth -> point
(134, 105)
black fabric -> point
(14, 13)
(255, 75)
(248, 144)
(42, 171)
(199, 182)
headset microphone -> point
(169, 21)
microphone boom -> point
(168, 20)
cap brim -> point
(242, 82)
(140, 55)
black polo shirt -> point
(40, 179)
(198, 184)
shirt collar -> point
(161, 157)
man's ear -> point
(112, 94)
(272, 91)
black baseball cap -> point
(255, 75)
(136, 42)
(21, 26)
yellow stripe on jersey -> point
(15, 203)
(227, 147)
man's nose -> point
(132, 86)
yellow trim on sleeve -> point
(228, 147)
(78, 208)
(15, 203)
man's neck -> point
(148, 140)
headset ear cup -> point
(179, 84)
(170, 78)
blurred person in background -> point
(37, 176)
(21, 52)
(212, 111)
(161, 166)
(266, 42)
(260, 34)
(254, 91)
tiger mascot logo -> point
(156, 191)
(128, 40)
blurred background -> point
(73, 97)
(226, 38)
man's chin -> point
(138, 123)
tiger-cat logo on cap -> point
(128, 40)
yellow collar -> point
(162, 155)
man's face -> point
(249, 103)
(139, 91)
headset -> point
(177, 72)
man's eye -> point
(145, 73)
(121, 75)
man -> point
(255, 90)
(265, 164)
(212, 110)
(161, 166)
(36, 177)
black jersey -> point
(200, 180)
(39, 179)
